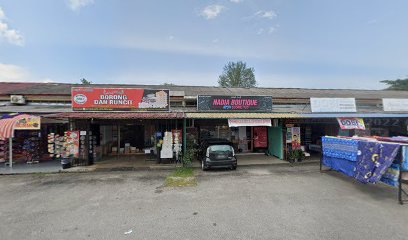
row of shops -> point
(101, 122)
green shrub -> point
(189, 157)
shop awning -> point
(354, 115)
(116, 115)
(249, 122)
(7, 125)
(213, 115)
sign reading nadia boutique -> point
(119, 99)
(235, 103)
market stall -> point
(370, 160)
(29, 145)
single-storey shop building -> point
(102, 120)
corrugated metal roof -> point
(65, 89)
(7, 88)
(35, 108)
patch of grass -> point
(183, 172)
(181, 177)
(41, 174)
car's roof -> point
(217, 141)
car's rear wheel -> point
(234, 168)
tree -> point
(169, 84)
(237, 74)
(399, 84)
(85, 82)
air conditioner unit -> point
(17, 99)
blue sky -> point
(290, 43)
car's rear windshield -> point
(220, 148)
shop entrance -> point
(132, 135)
(134, 143)
(245, 139)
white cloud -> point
(236, 1)
(266, 14)
(12, 73)
(76, 5)
(10, 35)
(47, 80)
(2, 15)
(220, 49)
(342, 81)
(269, 30)
(212, 11)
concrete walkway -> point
(42, 167)
(137, 162)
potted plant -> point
(296, 155)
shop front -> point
(311, 130)
(132, 124)
(23, 141)
(226, 117)
(247, 135)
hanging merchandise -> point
(59, 146)
(295, 138)
(177, 136)
(367, 160)
(340, 148)
(72, 144)
(4, 150)
(374, 160)
(31, 149)
(51, 144)
(167, 146)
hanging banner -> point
(119, 99)
(351, 123)
(295, 137)
(28, 123)
(333, 104)
(249, 122)
(234, 103)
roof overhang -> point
(359, 115)
(239, 115)
(117, 115)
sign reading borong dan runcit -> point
(234, 103)
(119, 99)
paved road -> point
(276, 202)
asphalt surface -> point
(274, 202)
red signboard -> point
(119, 99)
